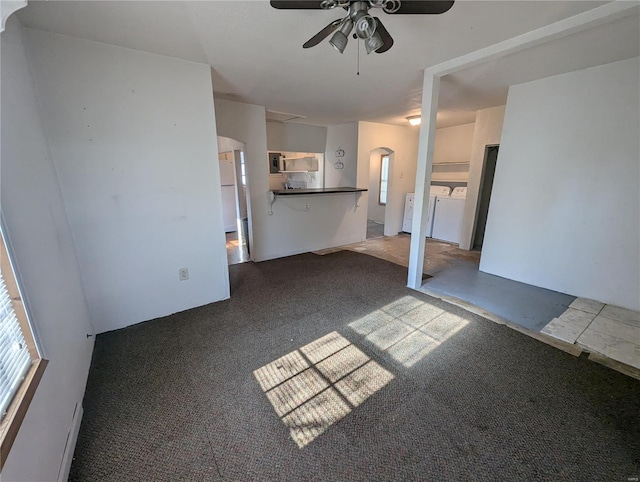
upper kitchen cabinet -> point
(289, 170)
(299, 164)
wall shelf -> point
(465, 163)
(299, 164)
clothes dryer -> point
(434, 193)
(447, 217)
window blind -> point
(14, 354)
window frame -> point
(243, 170)
(381, 180)
(17, 409)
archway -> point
(380, 179)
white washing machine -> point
(447, 217)
(408, 213)
(434, 193)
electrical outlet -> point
(306, 206)
(183, 274)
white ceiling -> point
(257, 57)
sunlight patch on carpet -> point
(317, 385)
(408, 328)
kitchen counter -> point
(320, 190)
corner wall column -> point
(430, 91)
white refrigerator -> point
(227, 181)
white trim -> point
(70, 447)
(426, 142)
(583, 21)
(563, 28)
(40, 347)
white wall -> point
(403, 141)
(45, 259)
(564, 212)
(345, 138)
(295, 137)
(487, 131)
(330, 220)
(452, 145)
(376, 211)
(225, 144)
(133, 138)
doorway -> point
(486, 185)
(233, 180)
(379, 169)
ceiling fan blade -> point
(322, 34)
(384, 34)
(421, 7)
(297, 4)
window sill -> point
(18, 408)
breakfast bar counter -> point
(320, 190)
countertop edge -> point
(326, 190)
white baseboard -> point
(70, 447)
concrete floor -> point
(451, 272)
(525, 305)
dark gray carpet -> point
(525, 305)
(176, 398)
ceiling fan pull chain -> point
(358, 73)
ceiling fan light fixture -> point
(340, 38)
(414, 120)
(370, 29)
(365, 26)
(339, 41)
(373, 43)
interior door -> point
(491, 159)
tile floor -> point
(438, 255)
(236, 249)
(606, 329)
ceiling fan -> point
(368, 28)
